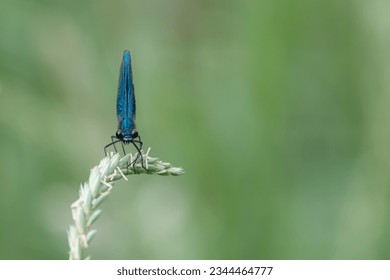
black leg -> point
(113, 141)
(139, 155)
(139, 141)
(123, 149)
(140, 149)
(139, 152)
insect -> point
(125, 111)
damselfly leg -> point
(139, 153)
(114, 140)
(137, 143)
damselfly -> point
(125, 111)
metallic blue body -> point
(125, 107)
(125, 111)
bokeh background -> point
(279, 111)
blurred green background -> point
(278, 111)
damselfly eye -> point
(134, 134)
(119, 134)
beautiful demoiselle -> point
(125, 111)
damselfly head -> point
(125, 137)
